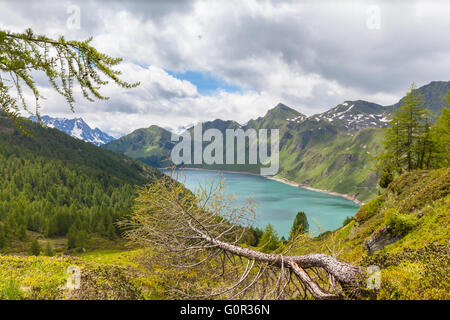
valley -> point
(334, 151)
(221, 155)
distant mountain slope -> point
(52, 185)
(333, 150)
(150, 145)
(76, 128)
(357, 115)
(434, 96)
(276, 117)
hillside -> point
(151, 145)
(434, 96)
(353, 116)
(59, 188)
(406, 232)
(332, 151)
(338, 162)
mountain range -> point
(333, 150)
(76, 128)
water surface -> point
(278, 203)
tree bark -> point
(344, 273)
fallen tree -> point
(189, 230)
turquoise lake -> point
(278, 203)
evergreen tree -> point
(406, 142)
(111, 232)
(35, 248)
(72, 238)
(22, 232)
(81, 239)
(300, 224)
(48, 251)
(2, 239)
(269, 240)
(386, 178)
(440, 137)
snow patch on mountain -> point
(76, 128)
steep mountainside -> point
(434, 96)
(151, 145)
(52, 185)
(76, 128)
(279, 116)
(333, 150)
(405, 232)
(356, 115)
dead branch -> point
(205, 230)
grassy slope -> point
(311, 153)
(53, 144)
(150, 145)
(340, 163)
(416, 266)
(46, 278)
(53, 147)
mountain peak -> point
(76, 128)
(282, 107)
(356, 115)
(282, 110)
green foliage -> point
(386, 178)
(252, 236)
(52, 182)
(300, 224)
(269, 240)
(63, 62)
(440, 138)
(346, 221)
(10, 291)
(410, 143)
(406, 142)
(35, 248)
(2, 239)
(401, 223)
(368, 210)
(48, 251)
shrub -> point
(35, 248)
(368, 210)
(347, 221)
(385, 179)
(400, 223)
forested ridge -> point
(58, 186)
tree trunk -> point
(344, 273)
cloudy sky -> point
(202, 60)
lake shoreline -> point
(284, 181)
(298, 185)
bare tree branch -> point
(204, 230)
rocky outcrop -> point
(382, 238)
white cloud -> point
(309, 55)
